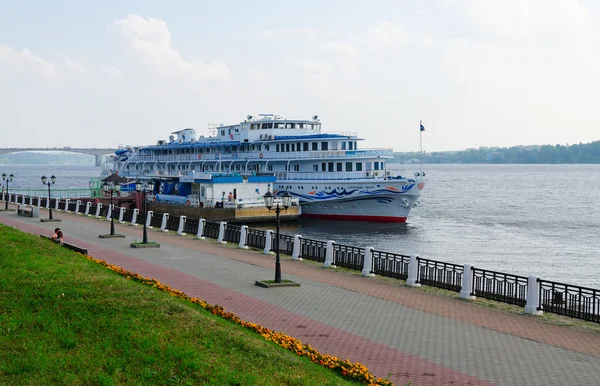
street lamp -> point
(286, 197)
(144, 189)
(7, 179)
(45, 181)
(111, 187)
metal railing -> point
(172, 223)
(156, 220)
(348, 257)
(440, 274)
(570, 300)
(256, 238)
(190, 226)
(499, 286)
(313, 250)
(286, 243)
(211, 230)
(232, 233)
(390, 264)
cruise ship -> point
(328, 173)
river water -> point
(522, 219)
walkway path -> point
(396, 331)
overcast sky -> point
(478, 73)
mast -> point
(421, 129)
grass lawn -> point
(69, 321)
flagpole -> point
(421, 144)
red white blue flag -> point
(422, 127)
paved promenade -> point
(402, 333)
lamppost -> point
(144, 189)
(7, 179)
(285, 202)
(45, 181)
(111, 187)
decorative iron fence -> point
(232, 233)
(156, 220)
(348, 257)
(570, 300)
(440, 274)
(93, 209)
(127, 215)
(141, 218)
(211, 230)
(313, 249)
(190, 226)
(499, 286)
(72, 206)
(390, 264)
(286, 244)
(255, 238)
(173, 223)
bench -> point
(72, 247)
(28, 211)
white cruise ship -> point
(329, 174)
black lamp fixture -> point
(111, 187)
(144, 188)
(45, 181)
(286, 199)
(7, 179)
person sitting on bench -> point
(58, 236)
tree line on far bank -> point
(582, 153)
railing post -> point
(23, 199)
(56, 204)
(221, 238)
(121, 214)
(31, 196)
(47, 203)
(149, 214)
(77, 205)
(98, 210)
(329, 255)
(533, 296)
(134, 217)
(181, 224)
(296, 251)
(88, 205)
(466, 291)
(200, 234)
(39, 201)
(3, 196)
(163, 224)
(268, 242)
(109, 212)
(368, 262)
(243, 237)
(413, 266)
(67, 204)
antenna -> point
(212, 129)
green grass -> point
(69, 321)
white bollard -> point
(268, 242)
(329, 255)
(56, 204)
(23, 199)
(466, 290)
(67, 204)
(98, 210)
(368, 262)
(533, 296)
(77, 205)
(3, 196)
(221, 239)
(109, 212)
(88, 205)
(121, 214)
(296, 250)
(200, 233)
(134, 217)
(31, 201)
(148, 218)
(181, 224)
(39, 202)
(163, 224)
(48, 204)
(412, 271)
(243, 236)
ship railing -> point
(371, 174)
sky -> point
(476, 72)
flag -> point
(422, 127)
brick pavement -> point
(413, 335)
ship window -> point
(330, 166)
(318, 127)
(277, 147)
(355, 147)
(293, 125)
(339, 167)
(279, 125)
(270, 168)
(349, 145)
(343, 145)
(315, 146)
(376, 164)
(324, 145)
(237, 130)
(316, 167)
(293, 147)
(301, 125)
(323, 166)
(296, 168)
(298, 147)
(359, 166)
(259, 147)
(310, 126)
(305, 146)
(267, 147)
(264, 125)
(270, 125)
(348, 166)
(287, 147)
(223, 132)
